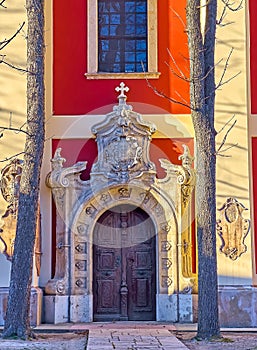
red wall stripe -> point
(73, 94)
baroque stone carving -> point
(123, 140)
(124, 192)
(10, 182)
(185, 173)
(81, 283)
(232, 229)
(81, 248)
(10, 188)
(166, 263)
(165, 246)
(166, 281)
(59, 176)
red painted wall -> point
(254, 180)
(74, 94)
(253, 54)
(75, 150)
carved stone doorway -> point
(124, 272)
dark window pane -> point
(129, 68)
(104, 19)
(105, 45)
(141, 6)
(130, 19)
(104, 30)
(141, 30)
(122, 35)
(113, 30)
(130, 29)
(102, 6)
(116, 68)
(140, 68)
(114, 44)
(140, 56)
(141, 45)
(129, 57)
(117, 57)
(130, 45)
(115, 19)
(130, 6)
(114, 6)
(141, 19)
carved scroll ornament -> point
(232, 229)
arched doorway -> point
(124, 265)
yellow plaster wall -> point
(233, 165)
(12, 82)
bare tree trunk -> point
(202, 95)
(17, 317)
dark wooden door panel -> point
(124, 280)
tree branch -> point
(218, 132)
(5, 42)
(2, 4)
(179, 17)
(228, 6)
(162, 94)
(11, 65)
(181, 75)
(17, 130)
(221, 82)
(225, 137)
(9, 158)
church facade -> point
(117, 237)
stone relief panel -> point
(10, 187)
(232, 229)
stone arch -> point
(88, 210)
(153, 202)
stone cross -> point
(122, 88)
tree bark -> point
(202, 96)
(17, 318)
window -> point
(122, 39)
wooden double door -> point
(124, 273)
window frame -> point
(92, 45)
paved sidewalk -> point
(132, 336)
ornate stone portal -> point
(122, 175)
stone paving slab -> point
(130, 336)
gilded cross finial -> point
(122, 88)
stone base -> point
(35, 305)
(174, 308)
(56, 308)
(237, 306)
(81, 308)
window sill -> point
(148, 75)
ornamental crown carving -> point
(123, 141)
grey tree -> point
(17, 318)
